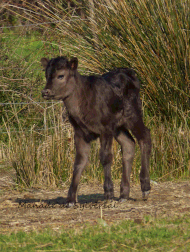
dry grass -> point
(46, 158)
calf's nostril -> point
(45, 92)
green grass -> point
(151, 235)
(22, 80)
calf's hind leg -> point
(142, 133)
(81, 159)
(128, 152)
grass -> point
(148, 235)
(22, 79)
(34, 140)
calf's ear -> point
(73, 63)
(44, 62)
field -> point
(37, 144)
(159, 224)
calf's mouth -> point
(47, 94)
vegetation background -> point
(151, 37)
(37, 144)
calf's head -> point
(60, 77)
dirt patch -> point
(35, 209)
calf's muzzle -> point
(46, 93)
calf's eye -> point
(60, 77)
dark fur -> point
(107, 107)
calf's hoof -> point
(109, 195)
(145, 195)
(124, 193)
(108, 190)
(71, 201)
(70, 204)
(122, 200)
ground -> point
(34, 209)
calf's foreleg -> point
(106, 161)
(81, 159)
